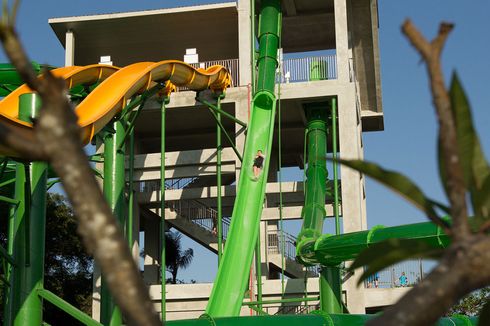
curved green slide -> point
(231, 281)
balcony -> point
(294, 70)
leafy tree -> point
(68, 269)
(472, 305)
(176, 257)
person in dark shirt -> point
(258, 163)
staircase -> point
(199, 221)
(283, 244)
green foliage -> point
(68, 269)
(399, 184)
(383, 254)
(472, 304)
(475, 167)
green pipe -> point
(162, 211)
(330, 250)
(10, 79)
(67, 307)
(218, 183)
(330, 290)
(231, 281)
(335, 166)
(114, 187)
(313, 212)
(31, 228)
(218, 110)
(290, 300)
(227, 136)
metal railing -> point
(404, 274)
(231, 64)
(200, 214)
(275, 244)
(309, 69)
(170, 184)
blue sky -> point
(408, 142)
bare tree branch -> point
(58, 136)
(447, 128)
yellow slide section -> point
(118, 85)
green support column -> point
(114, 183)
(162, 212)
(218, 183)
(29, 227)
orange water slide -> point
(110, 96)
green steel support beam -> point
(163, 249)
(15, 240)
(232, 278)
(113, 183)
(9, 200)
(218, 181)
(289, 300)
(230, 140)
(4, 253)
(218, 110)
(67, 307)
(29, 230)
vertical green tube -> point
(114, 183)
(330, 290)
(218, 183)
(162, 211)
(313, 211)
(29, 230)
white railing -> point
(404, 274)
(309, 69)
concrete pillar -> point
(353, 209)
(244, 42)
(342, 40)
(69, 48)
(152, 234)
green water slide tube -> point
(314, 319)
(313, 212)
(231, 281)
(330, 250)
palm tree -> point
(175, 257)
